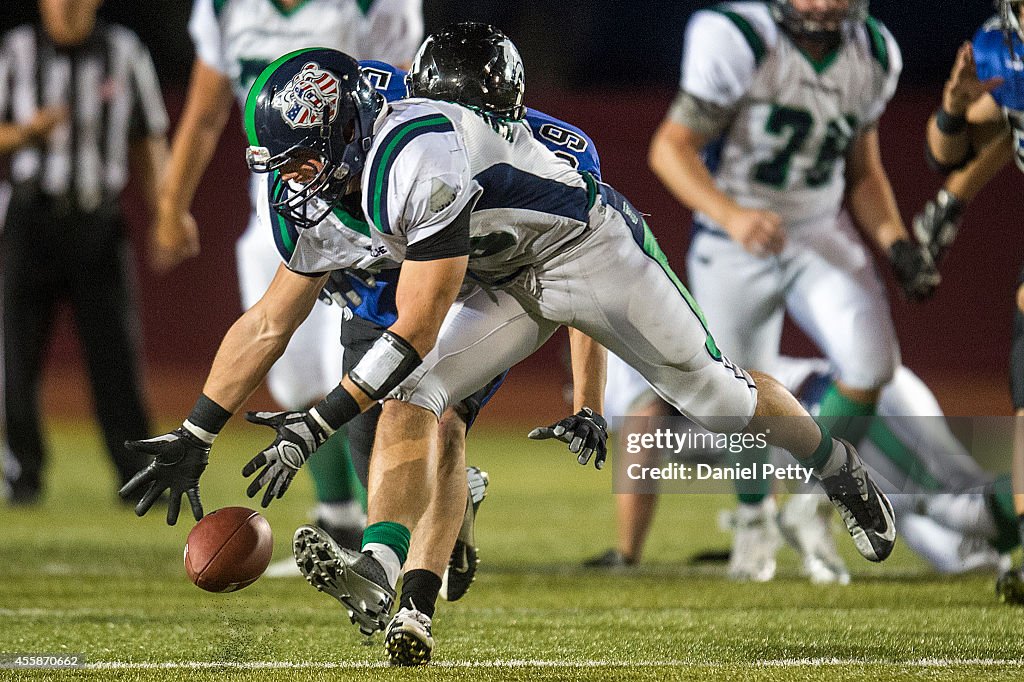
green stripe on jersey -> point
(382, 164)
(286, 238)
(351, 222)
(751, 35)
(364, 5)
(652, 249)
(254, 92)
(218, 7)
(879, 49)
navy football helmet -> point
(311, 114)
(817, 24)
(472, 64)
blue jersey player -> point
(982, 116)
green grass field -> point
(81, 574)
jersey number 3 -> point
(797, 123)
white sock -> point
(387, 558)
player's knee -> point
(868, 381)
(1020, 298)
(406, 420)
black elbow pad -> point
(947, 168)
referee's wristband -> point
(949, 124)
(336, 409)
(206, 419)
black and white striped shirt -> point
(110, 89)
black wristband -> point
(949, 124)
(208, 416)
(337, 408)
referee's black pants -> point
(51, 254)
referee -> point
(78, 99)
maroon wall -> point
(964, 330)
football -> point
(228, 549)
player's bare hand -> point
(759, 232)
(44, 121)
(963, 87)
(173, 238)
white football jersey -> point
(340, 240)
(430, 160)
(793, 117)
(239, 38)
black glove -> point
(915, 270)
(586, 432)
(180, 459)
(339, 289)
(936, 226)
(298, 437)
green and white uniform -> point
(785, 123)
(238, 38)
(549, 246)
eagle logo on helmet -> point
(309, 94)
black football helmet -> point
(817, 24)
(472, 64)
(311, 108)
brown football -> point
(228, 550)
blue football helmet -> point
(818, 24)
(311, 112)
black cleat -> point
(461, 570)
(355, 579)
(611, 559)
(864, 508)
(1010, 588)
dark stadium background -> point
(609, 67)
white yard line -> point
(530, 663)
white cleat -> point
(804, 523)
(407, 639)
(754, 542)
